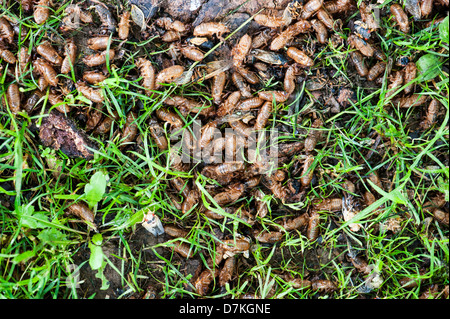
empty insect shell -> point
(263, 116)
(183, 249)
(241, 49)
(147, 73)
(410, 73)
(192, 53)
(277, 96)
(409, 283)
(300, 57)
(170, 117)
(376, 71)
(6, 30)
(325, 18)
(47, 51)
(269, 21)
(170, 36)
(298, 283)
(360, 44)
(240, 128)
(261, 206)
(41, 11)
(130, 129)
(210, 28)
(262, 38)
(13, 98)
(441, 216)
(412, 101)
(313, 226)
(359, 64)
(307, 173)
(168, 75)
(174, 231)
(321, 31)
(152, 223)
(296, 223)
(310, 8)
(7, 56)
(236, 245)
(98, 43)
(290, 149)
(227, 271)
(93, 77)
(329, 204)
(322, 285)
(289, 78)
(229, 167)
(32, 101)
(94, 118)
(46, 70)
(231, 195)
(378, 54)
(368, 16)
(269, 57)
(431, 115)
(180, 185)
(229, 104)
(218, 83)
(426, 7)
(23, 58)
(124, 25)
(70, 56)
(99, 58)
(42, 83)
(105, 126)
(158, 134)
(252, 182)
(349, 211)
(401, 17)
(336, 6)
(396, 81)
(203, 281)
(207, 134)
(248, 75)
(269, 237)
(82, 211)
(190, 201)
(250, 103)
(106, 16)
(95, 95)
(239, 82)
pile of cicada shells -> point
(237, 99)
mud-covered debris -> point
(346, 96)
(148, 7)
(181, 9)
(215, 10)
(60, 133)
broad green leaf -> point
(52, 236)
(444, 187)
(97, 239)
(443, 30)
(429, 66)
(24, 256)
(100, 275)
(95, 189)
(30, 219)
(96, 257)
